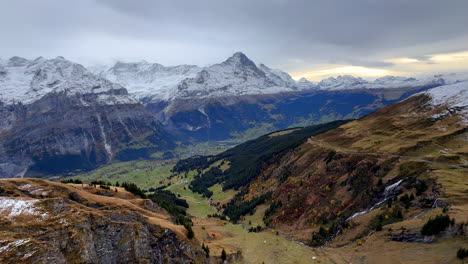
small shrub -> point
(462, 253)
(436, 226)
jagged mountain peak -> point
(238, 56)
(238, 75)
(239, 59)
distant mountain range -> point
(237, 76)
(239, 98)
(53, 111)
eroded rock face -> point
(67, 224)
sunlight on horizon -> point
(401, 66)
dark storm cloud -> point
(283, 33)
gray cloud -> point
(285, 34)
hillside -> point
(47, 222)
(369, 183)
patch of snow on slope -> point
(454, 96)
(13, 245)
(10, 207)
(34, 190)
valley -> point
(311, 187)
(234, 132)
(236, 158)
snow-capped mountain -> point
(341, 82)
(348, 82)
(304, 84)
(238, 75)
(56, 116)
(27, 81)
(147, 81)
(453, 97)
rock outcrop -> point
(46, 222)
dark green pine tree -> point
(223, 255)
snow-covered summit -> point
(348, 82)
(238, 75)
(452, 95)
(342, 82)
(26, 81)
(149, 80)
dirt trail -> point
(322, 144)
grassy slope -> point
(144, 173)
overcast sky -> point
(308, 38)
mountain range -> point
(237, 76)
(54, 111)
(362, 190)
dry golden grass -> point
(284, 132)
(88, 195)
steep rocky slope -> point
(46, 222)
(56, 117)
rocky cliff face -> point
(56, 117)
(45, 222)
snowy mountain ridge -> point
(238, 75)
(149, 80)
(453, 96)
(26, 81)
(348, 82)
